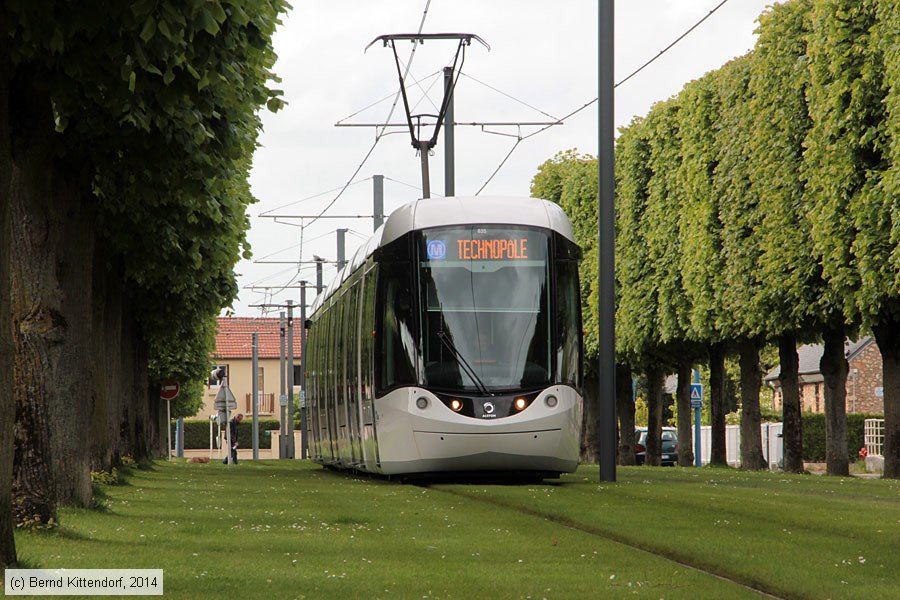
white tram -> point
(451, 342)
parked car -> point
(669, 453)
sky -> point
(541, 66)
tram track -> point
(613, 537)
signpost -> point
(225, 399)
(168, 391)
(697, 405)
(225, 402)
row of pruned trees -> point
(126, 134)
(759, 205)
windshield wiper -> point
(460, 359)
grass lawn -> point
(288, 529)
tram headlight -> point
(422, 402)
(520, 403)
(456, 405)
(551, 401)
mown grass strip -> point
(287, 529)
(793, 536)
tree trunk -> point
(590, 440)
(37, 323)
(70, 411)
(107, 384)
(7, 346)
(625, 410)
(683, 399)
(717, 450)
(792, 433)
(888, 337)
(655, 379)
(140, 429)
(751, 378)
(834, 369)
(52, 257)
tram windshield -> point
(485, 295)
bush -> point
(813, 425)
(196, 433)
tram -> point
(451, 342)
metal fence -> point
(773, 445)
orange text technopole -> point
(492, 249)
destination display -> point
(466, 246)
(492, 249)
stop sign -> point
(169, 389)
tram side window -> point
(398, 341)
(568, 351)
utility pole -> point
(378, 201)
(319, 262)
(289, 448)
(303, 286)
(449, 144)
(606, 232)
(282, 438)
(255, 396)
(341, 248)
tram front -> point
(488, 327)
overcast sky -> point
(542, 61)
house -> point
(234, 353)
(865, 387)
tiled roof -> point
(235, 337)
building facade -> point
(865, 387)
(234, 353)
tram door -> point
(340, 408)
(341, 329)
(353, 373)
(367, 361)
(332, 386)
(312, 396)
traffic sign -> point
(225, 398)
(169, 390)
(696, 395)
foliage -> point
(660, 223)
(700, 228)
(165, 123)
(570, 180)
(637, 298)
(110, 477)
(741, 314)
(845, 151)
(762, 200)
(779, 83)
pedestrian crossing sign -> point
(696, 395)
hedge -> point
(813, 425)
(196, 433)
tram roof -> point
(457, 210)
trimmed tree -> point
(742, 314)
(152, 145)
(700, 230)
(845, 151)
(779, 82)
